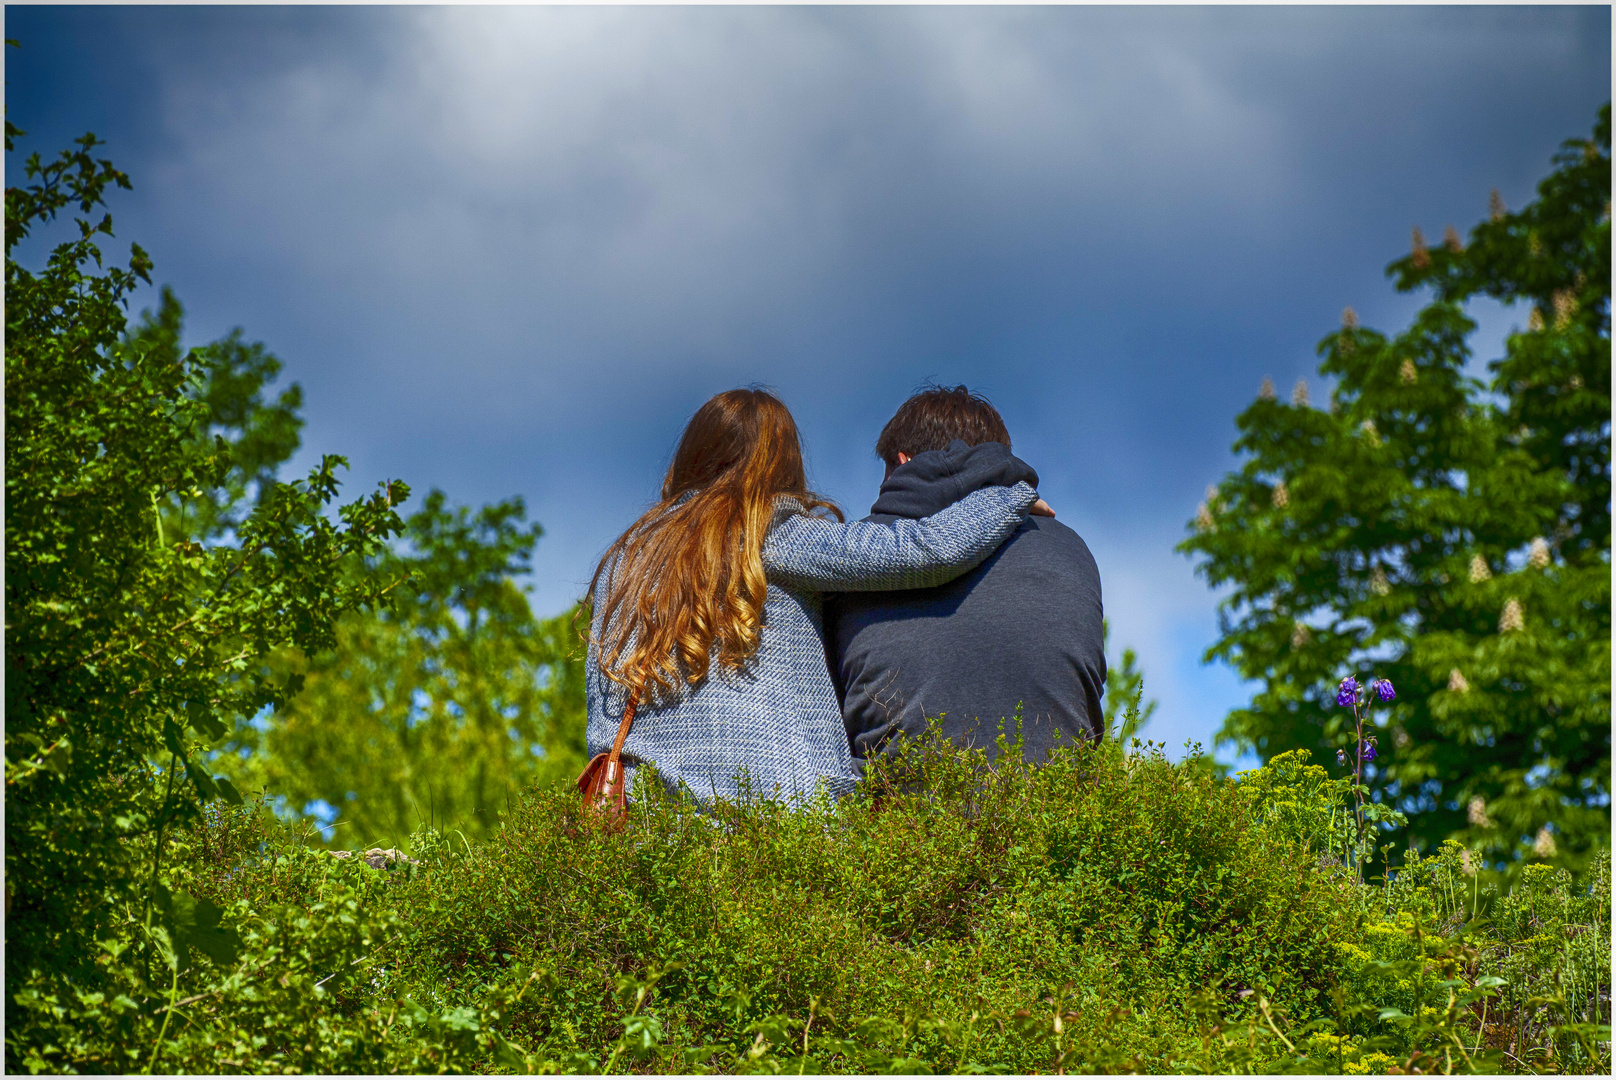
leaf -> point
(60, 757)
(830, 1044)
(509, 1056)
(171, 738)
(204, 722)
(172, 953)
(188, 923)
(876, 1028)
(459, 1019)
(642, 1034)
(205, 787)
(205, 932)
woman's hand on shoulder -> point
(1041, 509)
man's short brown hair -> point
(935, 417)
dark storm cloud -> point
(510, 250)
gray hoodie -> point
(1024, 627)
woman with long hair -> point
(706, 611)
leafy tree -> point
(438, 710)
(1451, 536)
(129, 648)
(432, 710)
(256, 436)
(1126, 710)
(160, 583)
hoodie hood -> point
(936, 479)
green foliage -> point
(1301, 804)
(128, 650)
(1107, 912)
(440, 709)
(1126, 710)
(1552, 947)
(255, 436)
(163, 589)
(435, 708)
(303, 993)
(1450, 536)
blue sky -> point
(510, 250)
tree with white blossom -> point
(1446, 533)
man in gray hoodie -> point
(1023, 629)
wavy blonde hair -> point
(688, 575)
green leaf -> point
(60, 756)
(205, 787)
(172, 735)
(204, 722)
(509, 1056)
(186, 923)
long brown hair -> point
(689, 573)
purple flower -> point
(1341, 757)
(1368, 751)
(1383, 687)
(1348, 694)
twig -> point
(803, 1064)
(359, 961)
(1518, 1061)
(192, 1000)
(1262, 1003)
(525, 985)
(168, 1014)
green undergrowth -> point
(1108, 911)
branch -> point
(192, 1000)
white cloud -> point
(645, 182)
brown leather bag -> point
(601, 782)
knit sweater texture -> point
(775, 729)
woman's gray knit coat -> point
(778, 723)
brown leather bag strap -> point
(622, 729)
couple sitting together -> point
(763, 644)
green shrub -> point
(1131, 878)
(1106, 912)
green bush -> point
(1107, 912)
(1099, 880)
